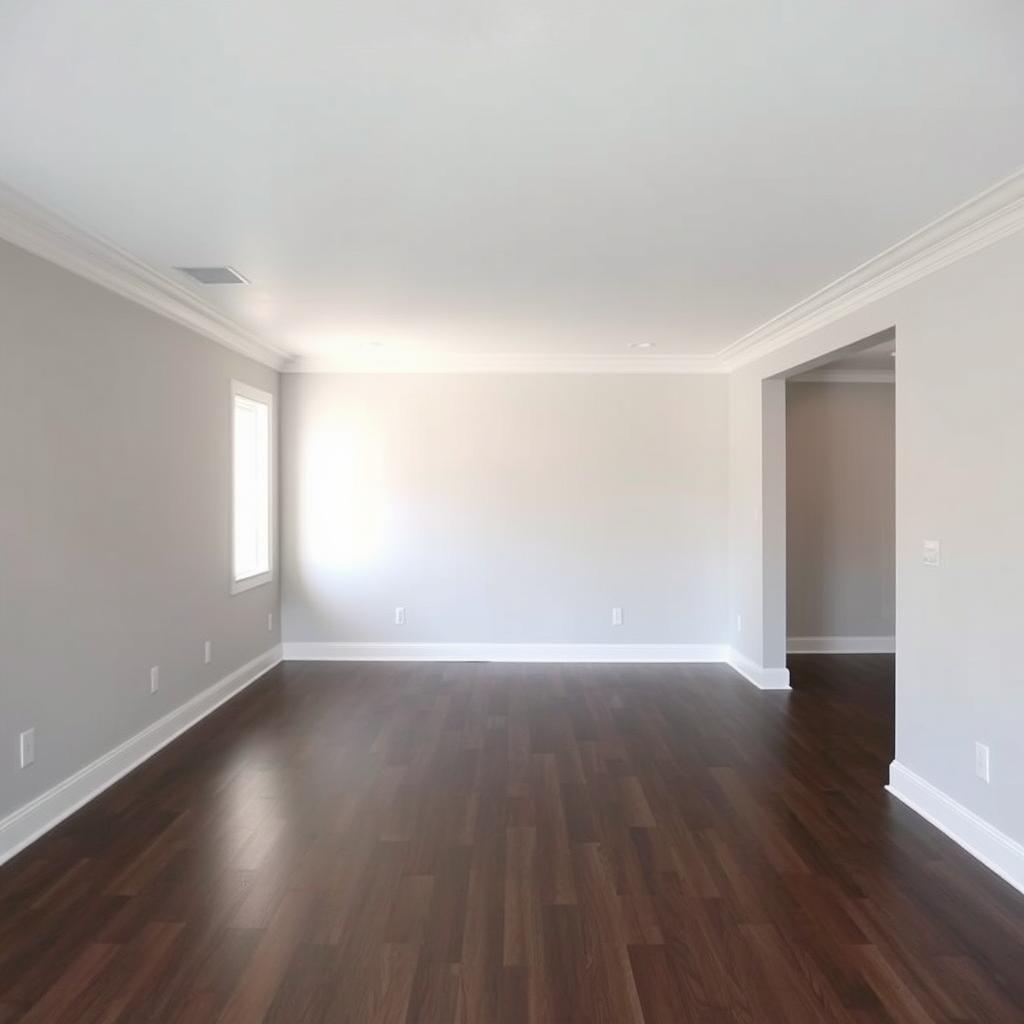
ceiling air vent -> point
(214, 275)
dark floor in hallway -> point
(485, 843)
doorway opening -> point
(841, 531)
(841, 505)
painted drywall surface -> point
(757, 507)
(959, 480)
(773, 520)
(841, 502)
(746, 624)
(115, 517)
(514, 509)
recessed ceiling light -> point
(214, 275)
(641, 344)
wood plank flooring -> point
(514, 844)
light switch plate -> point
(932, 552)
(981, 762)
(27, 747)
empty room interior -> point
(504, 512)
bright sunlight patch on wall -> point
(342, 505)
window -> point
(252, 513)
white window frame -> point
(242, 390)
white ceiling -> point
(512, 176)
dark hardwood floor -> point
(481, 843)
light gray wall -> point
(959, 480)
(512, 508)
(114, 520)
(841, 509)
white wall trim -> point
(826, 376)
(507, 363)
(841, 645)
(624, 653)
(53, 237)
(990, 216)
(30, 821)
(995, 849)
(763, 678)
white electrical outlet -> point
(270, 622)
(616, 616)
(154, 679)
(399, 616)
(932, 552)
(739, 623)
(207, 652)
(981, 765)
(27, 747)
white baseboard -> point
(346, 651)
(763, 678)
(997, 851)
(841, 645)
(29, 822)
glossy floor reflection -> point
(423, 844)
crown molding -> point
(990, 216)
(508, 363)
(827, 376)
(47, 234)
